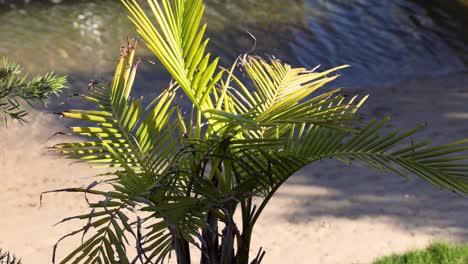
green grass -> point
(437, 253)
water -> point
(385, 41)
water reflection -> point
(385, 41)
(79, 38)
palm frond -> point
(394, 152)
(281, 98)
(179, 44)
(120, 122)
(107, 227)
(8, 258)
(278, 83)
(282, 95)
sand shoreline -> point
(327, 213)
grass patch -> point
(436, 253)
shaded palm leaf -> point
(436, 165)
(106, 226)
(8, 258)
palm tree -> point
(16, 88)
(177, 177)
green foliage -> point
(15, 86)
(180, 174)
(437, 253)
(7, 258)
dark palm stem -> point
(229, 233)
(243, 243)
(211, 247)
(181, 248)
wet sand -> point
(326, 213)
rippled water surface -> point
(386, 41)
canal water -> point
(385, 41)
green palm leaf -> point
(434, 164)
(438, 165)
(120, 122)
(179, 44)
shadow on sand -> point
(356, 192)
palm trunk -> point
(227, 246)
(181, 248)
(210, 250)
(244, 249)
(227, 242)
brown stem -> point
(211, 246)
(181, 248)
(229, 233)
(243, 248)
(227, 246)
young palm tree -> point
(181, 177)
(15, 88)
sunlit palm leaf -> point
(114, 119)
(179, 44)
(120, 122)
(282, 96)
